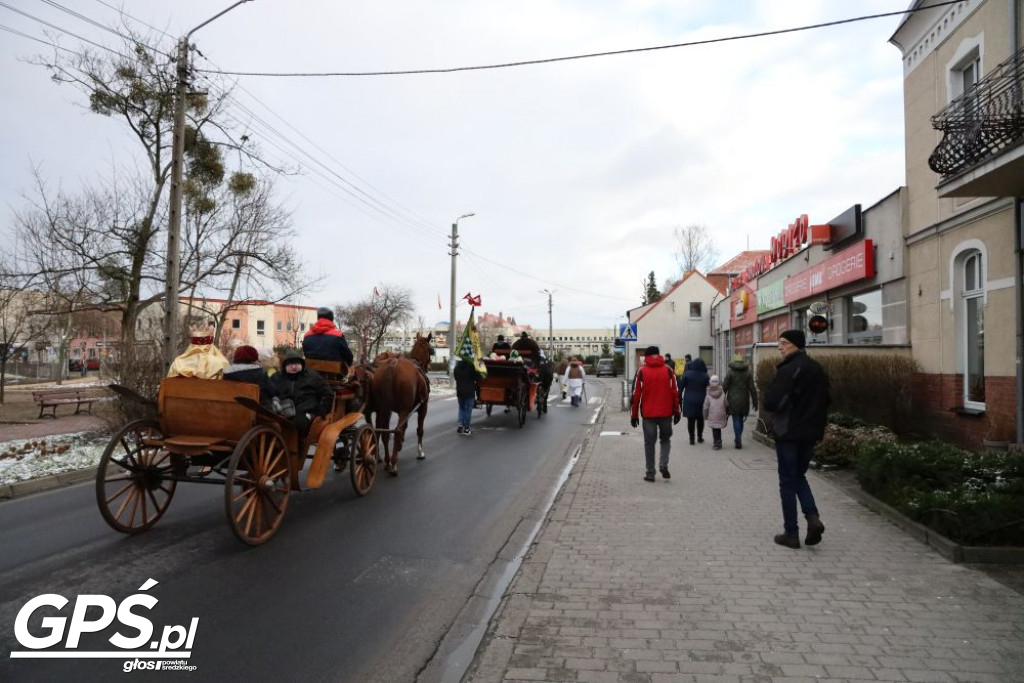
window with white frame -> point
(970, 325)
(695, 310)
(261, 328)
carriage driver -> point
(309, 392)
(324, 341)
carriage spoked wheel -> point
(363, 459)
(133, 488)
(257, 485)
(522, 403)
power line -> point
(589, 55)
(39, 40)
(58, 28)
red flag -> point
(473, 300)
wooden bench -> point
(49, 399)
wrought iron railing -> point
(982, 122)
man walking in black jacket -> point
(799, 398)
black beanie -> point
(795, 337)
(652, 351)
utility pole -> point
(172, 312)
(454, 246)
(551, 332)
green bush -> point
(844, 435)
(969, 497)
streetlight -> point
(172, 316)
(451, 312)
(551, 332)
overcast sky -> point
(577, 171)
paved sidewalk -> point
(679, 580)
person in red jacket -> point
(656, 398)
(324, 341)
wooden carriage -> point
(213, 431)
(511, 384)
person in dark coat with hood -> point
(693, 388)
(740, 394)
(799, 398)
(324, 341)
(246, 368)
(308, 391)
(465, 392)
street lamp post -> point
(172, 314)
(551, 331)
(451, 311)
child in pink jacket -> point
(716, 414)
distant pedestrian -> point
(656, 399)
(716, 413)
(574, 380)
(670, 362)
(465, 392)
(693, 386)
(799, 398)
(687, 359)
(740, 394)
(85, 368)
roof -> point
(676, 286)
(740, 262)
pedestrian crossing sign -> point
(627, 332)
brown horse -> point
(400, 385)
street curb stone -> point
(47, 483)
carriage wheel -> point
(257, 485)
(524, 400)
(363, 467)
(133, 489)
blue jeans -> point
(737, 427)
(466, 410)
(794, 458)
(653, 427)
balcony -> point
(981, 153)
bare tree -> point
(369, 319)
(20, 324)
(695, 248)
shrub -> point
(844, 435)
(874, 389)
(969, 497)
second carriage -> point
(517, 382)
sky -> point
(577, 171)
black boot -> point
(788, 540)
(814, 530)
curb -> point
(949, 549)
(47, 483)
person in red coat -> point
(324, 341)
(656, 398)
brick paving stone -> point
(680, 581)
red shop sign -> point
(855, 263)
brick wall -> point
(938, 398)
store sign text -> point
(851, 265)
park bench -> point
(49, 399)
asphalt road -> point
(349, 589)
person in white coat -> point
(574, 379)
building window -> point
(695, 307)
(289, 326)
(971, 326)
(236, 324)
(302, 327)
(261, 328)
(865, 318)
(280, 326)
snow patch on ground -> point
(26, 459)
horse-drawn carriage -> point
(518, 380)
(213, 431)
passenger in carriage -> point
(525, 343)
(307, 391)
(324, 341)
(246, 368)
(501, 345)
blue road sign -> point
(627, 332)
